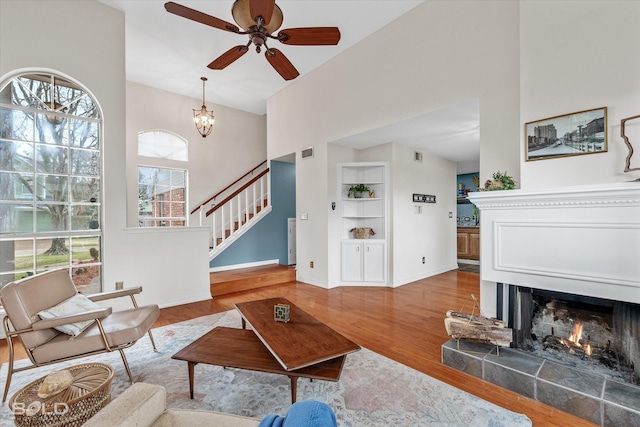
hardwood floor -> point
(404, 324)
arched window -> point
(162, 144)
(162, 191)
(50, 179)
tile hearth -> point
(592, 397)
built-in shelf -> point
(364, 260)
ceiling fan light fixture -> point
(202, 118)
(242, 15)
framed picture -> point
(584, 132)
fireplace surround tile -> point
(587, 395)
(570, 378)
(512, 371)
(569, 400)
(621, 404)
(468, 357)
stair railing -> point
(202, 206)
(238, 212)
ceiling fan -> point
(259, 19)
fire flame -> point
(577, 333)
(575, 338)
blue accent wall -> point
(267, 239)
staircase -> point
(244, 279)
(242, 204)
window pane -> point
(86, 108)
(52, 188)
(52, 217)
(16, 125)
(51, 129)
(23, 252)
(162, 145)
(145, 193)
(177, 178)
(16, 218)
(16, 156)
(85, 189)
(84, 134)
(146, 175)
(16, 186)
(163, 177)
(85, 217)
(177, 209)
(51, 159)
(85, 249)
(85, 162)
(52, 253)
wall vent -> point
(417, 156)
(307, 152)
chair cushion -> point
(121, 327)
(75, 305)
(23, 299)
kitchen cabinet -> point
(468, 241)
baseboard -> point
(245, 265)
(187, 301)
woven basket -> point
(89, 392)
(362, 233)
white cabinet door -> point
(373, 262)
(351, 262)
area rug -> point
(372, 391)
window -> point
(50, 180)
(162, 192)
(162, 144)
(161, 197)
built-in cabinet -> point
(469, 243)
(363, 260)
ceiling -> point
(171, 53)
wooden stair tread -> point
(226, 282)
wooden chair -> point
(109, 331)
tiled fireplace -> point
(562, 267)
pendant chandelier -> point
(203, 119)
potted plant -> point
(501, 181)
(357, 190)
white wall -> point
(172, 266)
(437, 55)
(237, 143)
(577, 56)
(431, 234)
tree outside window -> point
(50, 180)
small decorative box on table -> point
(89, 392)
(281, 313)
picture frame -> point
(575, 134)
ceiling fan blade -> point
(228, 57)
(281, 64)
(262, 8)
(312, 36)
(200, 17)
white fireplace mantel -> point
(583, 240)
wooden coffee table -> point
(301, 342)
(303, 347)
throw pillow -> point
(75, 305)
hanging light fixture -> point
(203, 119)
